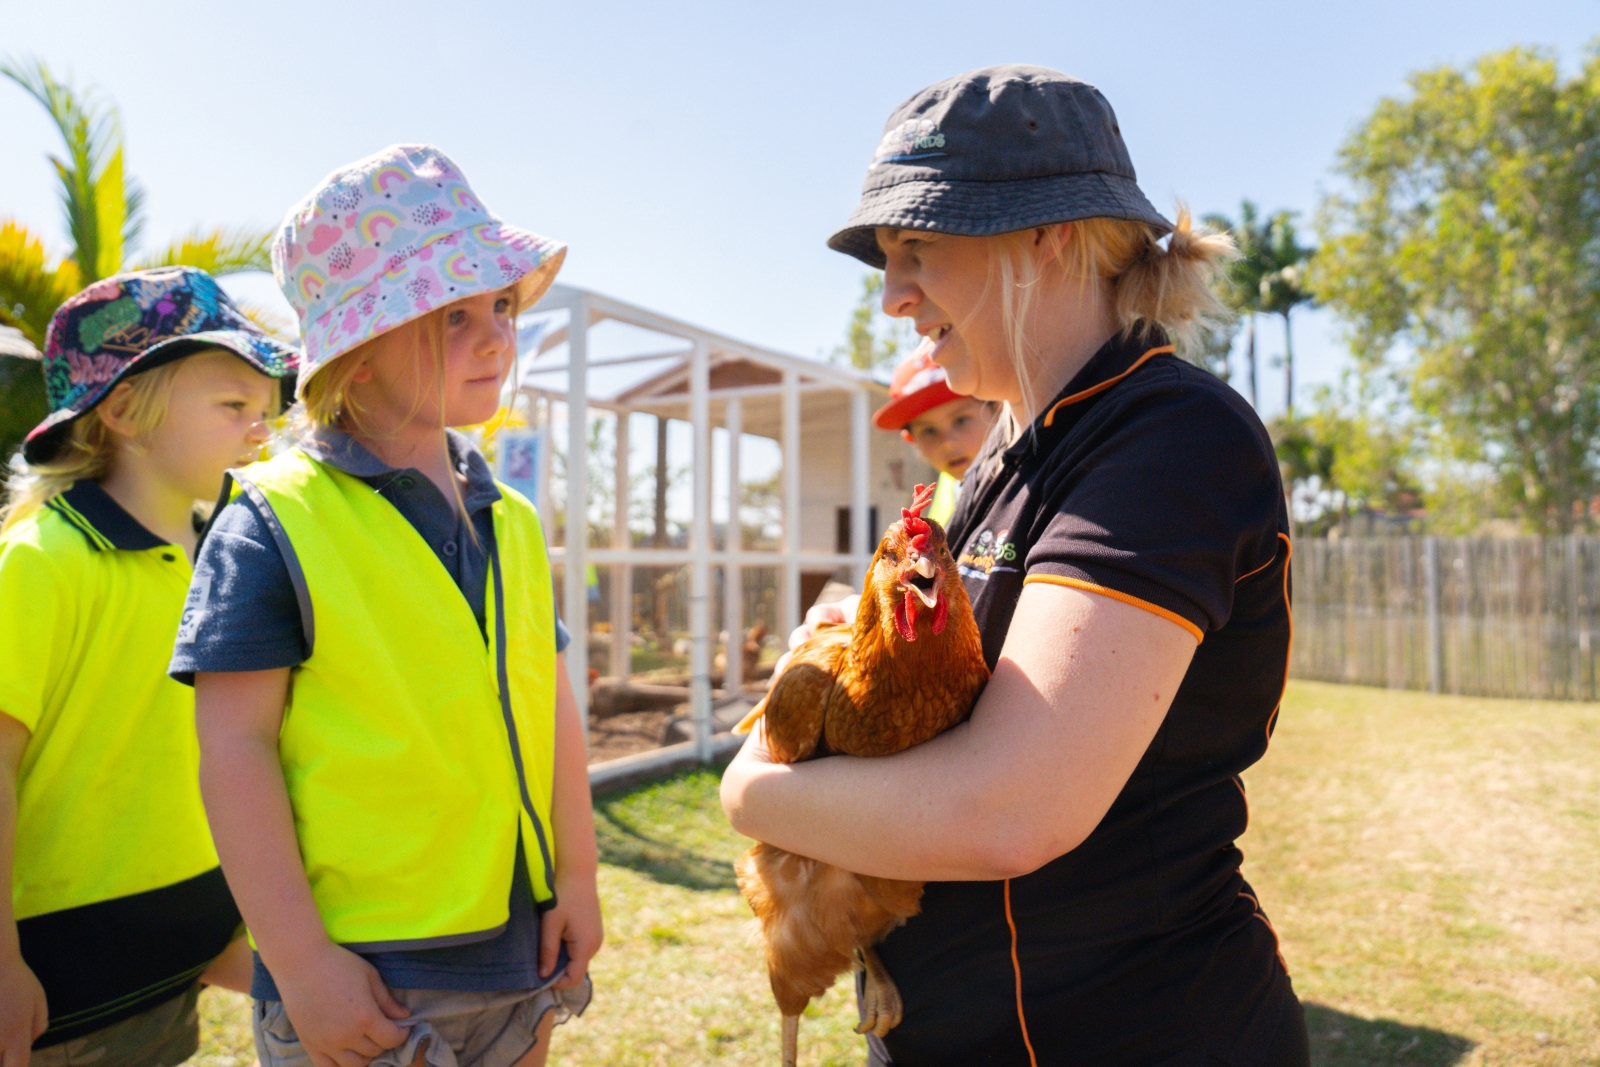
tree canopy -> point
(872, 340)
(103, 213)
(1464, 256)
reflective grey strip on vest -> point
(511, 725)
(291, 561)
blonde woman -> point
(1124, 540)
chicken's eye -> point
(891, 556)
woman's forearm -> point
(251, 820)
(1080, 690)
(919, 815)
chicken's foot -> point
(791, 1040)
(880, 999)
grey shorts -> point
(448, 1029)
(163, 1036)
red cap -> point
(918, 385)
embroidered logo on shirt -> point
(990, 550)
(912, 139)
(194, 609)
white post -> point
(547, 444)
(789, 596)
(621, 574)
(860, 465)
(577, 589)
(732, 573)
(700, 546)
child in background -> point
(391, 754)
(946, 428)
(116, 910)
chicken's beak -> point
(923, 585)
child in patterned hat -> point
(393, 762)
(116, 910)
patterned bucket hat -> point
(136, 322)
(390, 238)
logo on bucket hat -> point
(912, 139)
(390, 238)
(134, 322)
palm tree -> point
(1283, 288)
(1242, 291)
(104, 215)
(1268, 278)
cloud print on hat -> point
(390, 238)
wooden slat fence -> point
(1512, 617)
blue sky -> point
(696, 155)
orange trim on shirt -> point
(1115, 594)
(1288, 609)
(1016, 968)
(1050, 416)
(1259, 569)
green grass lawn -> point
(1432, 865)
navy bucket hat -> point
(135, 322)
(993, 151)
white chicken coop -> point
(840, 478)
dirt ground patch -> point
(628, 733)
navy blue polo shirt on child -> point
(1150, 481)
(252, 623)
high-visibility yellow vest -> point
(944, 499)
(411, 749)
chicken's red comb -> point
(921, 497)
(911, 520)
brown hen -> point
(908, 669)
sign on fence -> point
(520, 452)
(1481, 616)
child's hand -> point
(341, 1010)
(575, 920)
(23, 1015)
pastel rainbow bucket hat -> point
(390, 238)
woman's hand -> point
(342, 1012)
(23, 1014)
(841, 612)
(576, 921)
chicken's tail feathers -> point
(748, 723)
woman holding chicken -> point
(1124, 541)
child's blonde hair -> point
(326, 399)
(89, 445)
(1150, 287)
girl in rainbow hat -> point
(391, 754)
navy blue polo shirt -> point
(252, 623)
(1147, 480)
